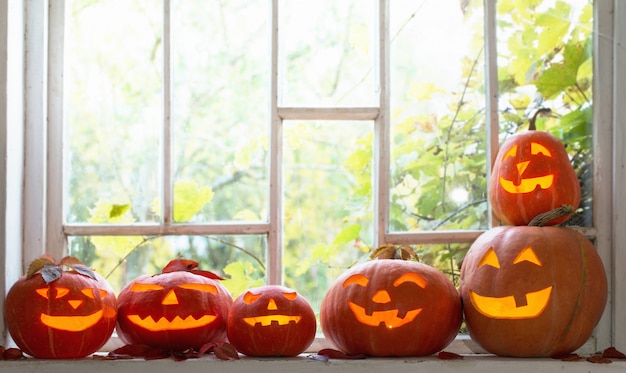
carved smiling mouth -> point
(506, 308)
(267, 320)
(71, 323)
(178, 323)
(389, 317)
(527, 185)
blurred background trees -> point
(220, 116)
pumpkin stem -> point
(546, 217)
(391, 251)
(541, 111)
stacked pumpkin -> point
(532, 289)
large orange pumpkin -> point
(176, 310)
(390, 307)
(54, 313)
(532, 291)
(532, 174)
(271, 320)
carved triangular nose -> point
(381, 296)
(170, 298)
(521, 167)
(272, 305)
(75, 303)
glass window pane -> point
(328, 204)
(239, 259)
(438, 172)
(220, 110)
(545, 61)
(326, 53)
(113, 108)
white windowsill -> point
(474, 360)
(470, 363)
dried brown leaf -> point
(180, 264)
(84, 270)
(70, 261)
(51, 273)
(613, 353)
(38, 264)
(598, 359)
(132, 350)
(335, 354)
(568, 357)
(13, 354)
(445, 355)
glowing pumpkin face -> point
(70, 317)
(177, 310)
(382, 307)
(520, 306)
(521, 285)
(271, 320)
(526, 184)
(532, 174)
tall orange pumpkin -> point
(532, 174)
(54, 313)
(532, 291)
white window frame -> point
(31, 141)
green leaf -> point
(189, 199)
(240, 277)
(560, 76)
(105, 212)
(348, 234)
(554, 24)
(118, 210)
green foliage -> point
(438, 151)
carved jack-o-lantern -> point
(532, 174)
(532, 291)
(174, 310)
(271, 320)
(389, 307)
(52, 313)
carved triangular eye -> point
(527, 255)
(490, 258)
(512, 152)
(536, 148)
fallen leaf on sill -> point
(598, 359)
(335, 354)
(568, 357)
(613, 353)
(222, 350)
(12, 354)
(445, 355)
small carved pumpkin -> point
(179, 309)
(271, 320)
(389, 307)
(53, 313)
(532, 291)
(532, 174)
